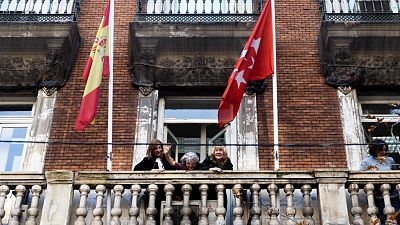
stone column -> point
(352, 128)
(247, 133)
(58, 201)
(331, 192)
(146, 123)
(40, 130)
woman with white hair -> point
(189, 160)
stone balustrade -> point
(179, 197)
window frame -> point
(162, 130)
(18, 121)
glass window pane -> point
(14, 157)
(191, 113)
(12, 152)
(15, 110)
(380, 109)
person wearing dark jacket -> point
(155, 159)
(218, 161)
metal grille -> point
(197, 17)
(37, 17)
(363, 17)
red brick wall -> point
(308, 108)
(79, 155)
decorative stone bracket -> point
(187, 57)
(43, 60)
(361, 55)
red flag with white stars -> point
(256, 62)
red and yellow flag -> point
(96, 67)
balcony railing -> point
(38, 10)
(237, 197)
(198, 10)
(360, 10)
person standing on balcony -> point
(380, 161)
(189, 161)
(218, 161)
(154, 159)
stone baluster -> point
(356, 210)
(273, 211)
(255, 211)
(204, 6)
(203, 208)
(308, 211)
(186, 210)
(388, 210)
(331, 6)
(33, 211)
(372, 209)
(151, 210)
(169, 189)
(154, 6)
(116, 211)
(238, 210)
(81, 211)
(15, 212)
(340, 6)
(170, 6)
(98, 212)
(179, 6)
(134, 210)
(4, 190)
(290, 210)
(220, 210)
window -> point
(190, 123)
(380, 116)
(15, 123)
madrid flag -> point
(256, 62)
(96, 67)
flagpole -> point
(275, 93)
(110, 103)
(110, 86)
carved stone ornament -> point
(366, 71)
(345, 90)
(195, 70)
(21, 72)
(146, 90)
(49, 91)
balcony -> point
(358, 43)
(296, 197)
(180, 45)
(38, 43)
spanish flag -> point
(96, 67)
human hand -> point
(167, 148)
(372, 168)
(216, 169)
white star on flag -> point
(239, 78)
(255, 43)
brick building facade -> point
(308, 108)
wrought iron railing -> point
(38, 10)
(360, 10)
(198, 10)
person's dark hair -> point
(153, 145)
(376, 145)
